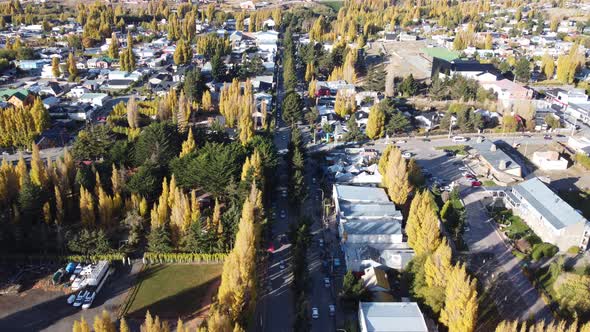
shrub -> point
(573, 250)
(543, 250)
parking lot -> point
(43, 310)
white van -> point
(459, 139)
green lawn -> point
(490, 183)
(457, 149)
(335, 5)
(517, 229)
(170, 291)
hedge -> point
(31, 258)
(157, 258)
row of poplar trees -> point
(445, 287)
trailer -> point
(96, 280)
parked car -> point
(426, 140)
(321, 242)
(326, 282)
(315, 313)
(476, 184)
(547, 137)
(407, 155)
(460, 139)
(336, 262)
(283, 214)
(332, 309)
(284, 194)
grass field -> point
(335, 5)
(172, 291)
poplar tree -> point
(38, 173)
(376, 123)
(237, 292)
(460, 311)
(114, 47)
(55, 70)
(132, 113)
(383, 161)
(548, 66)
(189, 145)
(396, 178)
(72, 68)
(246, 127)
(40, 115)
(423, 226)
(206, 101)
(87, 207)
(438, 265)
(21, 171)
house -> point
(549, 161)
(248, 5)
(427, 120)
(101, 62)
(391, 317)
(375, 280)
(119, 84)
(508, 92)
(497, 162)
(32, 64)
(97, 99)
(466, 68)
(17, 97)
(579, 144)
(549, 216)
(370, 227)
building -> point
(579, 144)
(96, 99)
(550, 217)
(391, 317)
(508, 92)
(466, 68)
(370, 228)
(549, 161)
(32, 64)
(497, 162)
(17, 97)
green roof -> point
(441, 53)
(19, 93)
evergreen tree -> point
(159, 239)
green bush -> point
(583, 160)
(543, 250)
(573, 250)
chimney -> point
(493, 147)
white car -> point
(315, 313)
(402, 142)
(460, 139)
(284, 194)
(332, 309)
(407, 155)
(283, 214)
(80, 298)
(327, 282)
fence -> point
(158, 258)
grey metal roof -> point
(392, 317)
(553, 209)
(495, 157)
(360, 194)
(369, 210)
(373, 228)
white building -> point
(549, 161)
(391, 317)
(96, 99)
(550, 217)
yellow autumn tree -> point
(189, 145)
(206, 101)
(460, 311)
(438, 265)
(376, 123)
(396, 177)
(87, 207)
(38, 174)
(423, 227)
(548, 66)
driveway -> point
(495, 266)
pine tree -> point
(376, 123)
(189, 145)
(423, 226)
(396, 174)
(460, 311)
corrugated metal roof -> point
(370, 210)
(393, 317)
(373, 228)
(360, 194)
(554, 209)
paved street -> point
(514, 295)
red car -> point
(476, 184)
(470, 176)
